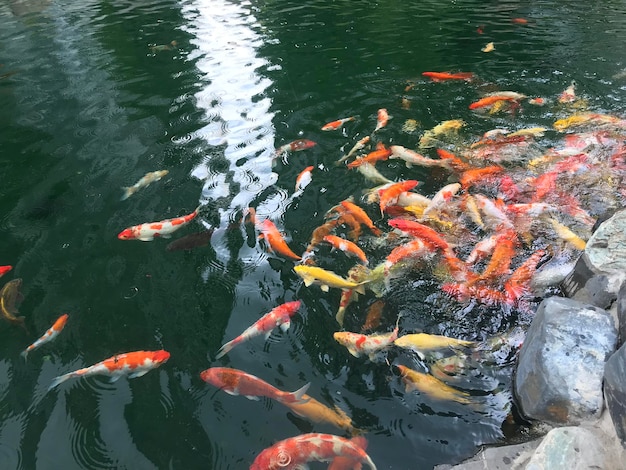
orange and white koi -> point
(358, 344)
(304, 178)
(490, 209)
(278, 316)
(275, 240)
(484, 294)
(146, 232)
(346, 463)
(389, 195)
(411, 158)
(334, 125)
(361, 216)
(347, 295)
(48, 336)
(132, 364)
(358, 146)
(413, 249)
(441, 76)
(482, 249)
(295, 452)
(429, 385)
(381, 153)
(296, 146)
(500, 262)
(475, 175)
(145, 181)
(441, 197)
(236, 382)
(346, 246)
(382, 117)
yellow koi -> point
(326, 279)
(431, 386)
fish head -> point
(277, 457)
(210, 375)
(126, 234)
(161, 356)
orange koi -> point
(471, 177)
(165, 228)
(278, 316)
(519, 20)
(373, 316)
(275, 240)
(346, 246)
(334, 125)
(361, 216)
(455, 162)
(236, 382)
(517, 285)
(500, 262)
(381, 153)
(389, 195)
(441, 76)
(358, 146)
(133, 364)
(413, 249)
(486, 295)
(489, 101)
(432, 237)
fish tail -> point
(24, 354)
(297, 396)
(368, 461)
(128, 191)
(60, 379)
(225, 349)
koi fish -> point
(346, 298)
(278, 316)
(10, 295)
(413, 249)
(346, 246)
(422, 231)
(566, 234)
(420, 342)
(484, 294)
(442, 196)
(295, 452)
(146, 232)
(389, 195)
(145, 181)
(334, 125)
(236, 382)
(373, 316)
(48, 336)
(370, 172)
(430, 138)
(361, 216)
(275, 240)
(489, 101)
(381, 153)
(519, 20)
(441, 76)
(133, 364)
(304, 178)
(346, 463)
(411, 158)
(489, 47)
(5, 269)
(358, 146)
(358, 344)
(193, 240)
(296, 146)
(429, 385)
(382, 117)
(519, 282)
(317, 412)
(569, 94)
(326, 279)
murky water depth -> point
(94, 95)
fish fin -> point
(60, 379)
(127, 193)
(341, 313)
(285, 326)
(146, 239)
(354, 352)
(298, 394)
(408, 165)
(114, 378)
(139, 373)
(307, 282)
(24, 354)
(324, 288)
(252, 397)
(360, 289)
(225, 349)
(165, 235)
(268, 334)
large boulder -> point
(561, 364)
(574, 448)
(615, 391)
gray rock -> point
(572, 448)
(606, 249)
(496, 458)
(621, 314)
(560, 367)
(615, 391)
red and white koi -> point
(346, 246)
(294, 146)
(346, 463)
(278, 316)
(146, 232)
(132, 364)
(490, 210)
(293, 453)
(358, 344)
(236, 382)
(569, 94)
(430, 236)
(411, 158)
(358, 146)
(304, 178)
(48, 336)
(389, 195)
(334, 125)
(382, 117)
(442, 196)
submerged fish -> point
(326, 279)
(9, 296)
(191, 241)
(146, 232)
(317, 412)
(429, 385)
(133, 364)
(421, 342)
(145, 181)
(48, 336)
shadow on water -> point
(97, 94)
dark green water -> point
(87, 107)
